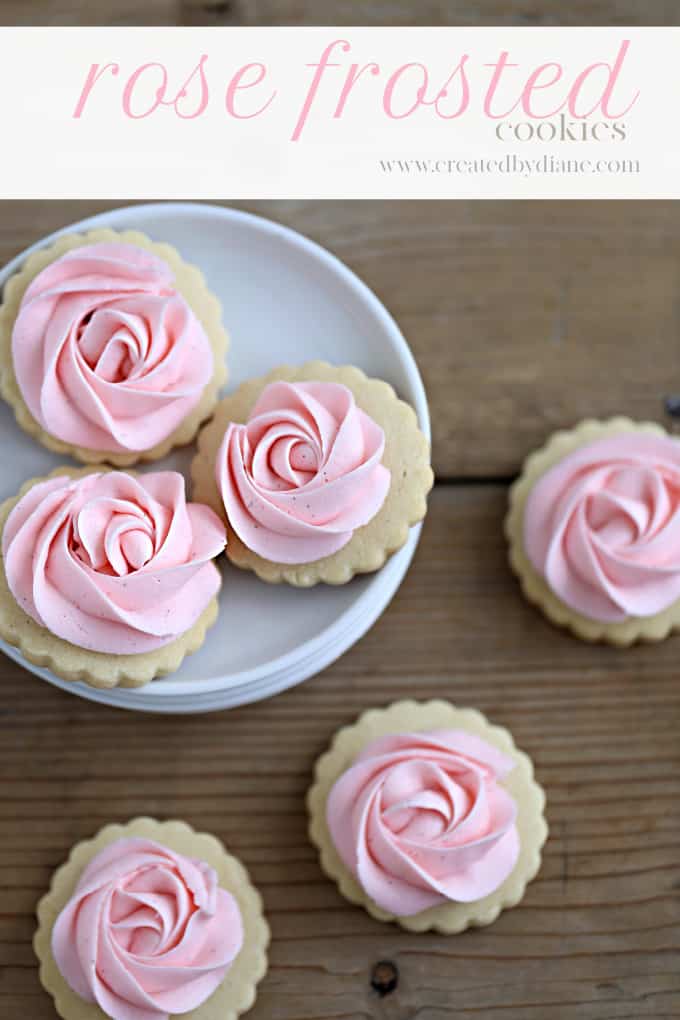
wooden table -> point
(523, 317)
(528, 13)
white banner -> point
(339, 113)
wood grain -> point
(340, 12)
(598, 934)
(524, 316)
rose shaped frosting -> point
(420, 818)
(603, 527)
(111, 562)
(303, 472)
(107, 354)
(147, 932)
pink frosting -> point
(147, 933)
(602, 527)
(111, 562)
(420, 819)
(303, 473)
(107, 354)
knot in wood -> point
(384, 977)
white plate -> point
(285, 299)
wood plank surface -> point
(508, 351)
(523, 316)
(598, 933)
(340, 12)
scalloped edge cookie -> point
(237, 992)
(407, 455)
(42, 648)
(189, 281)
(413, 716)
(534, 585)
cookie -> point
(427, 815)
(111, 347)
(318, 470)
(171, 919)
(592, 531)
(107, 577)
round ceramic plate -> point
(285, 299)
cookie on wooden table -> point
(426, 814)
(594, 531)
(150, 920)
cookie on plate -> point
(428, 815)
(107, 577)
(594, 531)
(149, 920)
(111, 347)
(318, 470)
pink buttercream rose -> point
(602, 526)
(107, 353)
(421, 818)
(111, 562)
(147, 933)
(303, 473)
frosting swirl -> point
(303, 473)
(420, 819)
(111, 562)
(147, 932)
(107, 353)
(602, 527)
